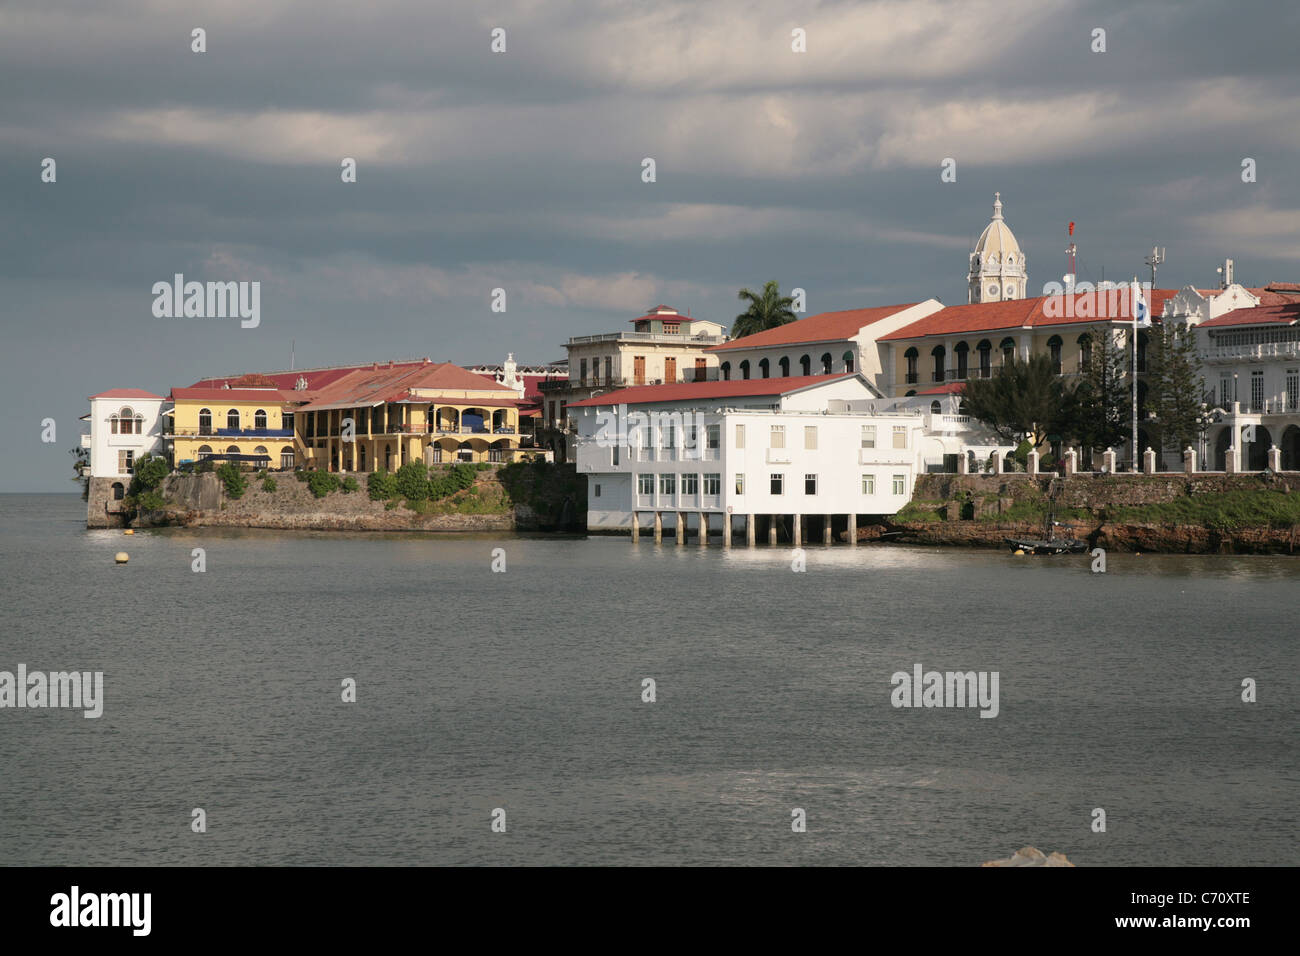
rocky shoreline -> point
(1153, 538)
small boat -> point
(1039, 546)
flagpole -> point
(1133, 309)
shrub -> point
(322, 483)
(483, 466)
(234, 480)
(412, 481)
(301, 474)
(350, 485)
(381, 486)
(268, 483)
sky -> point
(522, 170)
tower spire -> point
(997, 205)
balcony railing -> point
(665, 338)
(1266, 350)
(254, 433)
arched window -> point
(935, 407)
(205, 421)
(1085, 351)
(937, 353)
(763, 368)
(232, 449)
(261, 450)
(848, 361)
(912, 355)
(725, 369)
(826, 363)
(1054, 349)
(1008, 350)
(232, 418)
(805, 365)
(259, 418)
(118, 491)
(784, 365)
(744, 369)
(985, 350)
(910, 393)
(286, 457)
(962, 352)
(204, 451)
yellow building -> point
(432, 412)
(254, 425)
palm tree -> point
(767, 310)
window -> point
(1227, 394)
(286, 421)
(232, 418)
(692, 436)
(286, 458)
(868, 436)
(778, 437)
(1257, 390)
(912, 355)
(204, 451)
(810, 484)
(205, 421)
(712, 484)
(744, 369)
(868, 484)
(595, 491)
(985, 350)
(1292, 389)
(810, 437)
(1008, 350)
(259, 418)
(670, 436)
(935, 407)
(232, 449)
(613, 453)
(1054, 350)
(125, 461)
(784, 365)
(900, 436)
(805, 364)
(777, 484)
(764, 368)
(900, 484)
(740, 436)
(1085, 351)
(938, 353)
(608, 370)
(826, 363)
(962, 351)
(725, 371)
(740, 484)
(690, 484)
(668, 484)
(713, 439)
(261, 450)
(582, 371)
(848, 361)
(645, 485)
(119, 491)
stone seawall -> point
(983, 510)
(511, 498)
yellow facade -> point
(244, 426)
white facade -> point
(125, 424)
(997, 265)
(815, 451)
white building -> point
(125, 424)
(798, 454)
(997, 265)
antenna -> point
(1070, 266)
(1156, 258)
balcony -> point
(1251, 353)
(659, 338)
(254, 433)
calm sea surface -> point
(522, 691)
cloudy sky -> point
(523, 169)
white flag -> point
(1141, 312)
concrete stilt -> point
(704, 529)
(659, 527)
(853, 530)
(749, 530)
(826, 529)
(636, 529)
(771, 529)
(726, 530)
(796, 536)
(680, 527)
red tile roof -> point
(316, 377)
(270, 396)
(950, 388)
(1282, 314)
(823, 327)
(1025, 313)
(127, 393)
(684, 391)
(1277, 293)
(370, 386)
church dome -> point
(997, 237)
(997, 264)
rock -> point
(1031, 856)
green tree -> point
(81, 465)
(1104, 393)
(232, 477)
(1175, 388)
(381, 486)
(1024, 399)
(322, 483)
(767, 310)
(412, 481)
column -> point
(1189, 460)
(771, 529)
(853, 530)
(749, 530)
(680, 527)
(826, 529)
(704, 529)
(636, 530)
(659, 527)
(1149, 461)
(797, 535)
(1275, 458)
(726, 530)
